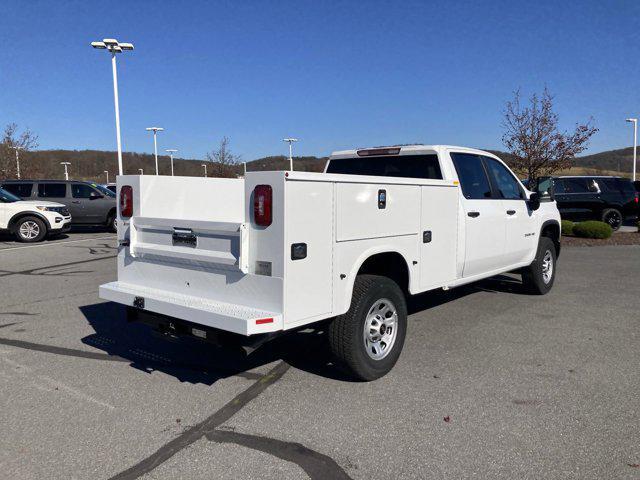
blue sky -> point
(335, 74)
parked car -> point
(613, 200)
(32, 221)
(110, 186)
(88, 203)
(277, 251)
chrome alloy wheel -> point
(547, 267)
(29, 230)
(380, 328)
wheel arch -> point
(384, 261)
(551, 229)
(14, 220)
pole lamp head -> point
(112, 45)
(632, 120)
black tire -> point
(112, 223)
(534, 276)
(347, 332)
(612, 217)
(30, 230)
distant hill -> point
(91, 164)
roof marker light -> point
(262, 321)
(378, 151)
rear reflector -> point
(378, 151)
(262, 202)
(262, 321)
(126, 201)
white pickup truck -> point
(277, 251)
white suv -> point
(32, 220)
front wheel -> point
(538, 277)
(368, 339)
(30, 229)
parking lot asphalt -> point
(492, 383)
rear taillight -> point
(636, 198)
(262, 202)
(126, 201)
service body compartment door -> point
(439, 236)
(308, 250)
(367, 210)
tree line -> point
(531, 135)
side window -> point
(22, 190)
(505, 182)
(575, 185)
(80, 190)
(472, 176)
(52, 190)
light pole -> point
(205, 169)
(155, 131)
(141, 171)
(171, 151)
(290, 142)
(17, 149)
(113, 46)
(107, 172)
(66, 172)
(635, 143)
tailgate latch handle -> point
(184, 236)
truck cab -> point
(277, 251)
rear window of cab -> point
(407, 166)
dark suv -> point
(89, 203)
(609, 199)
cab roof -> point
(403, 150)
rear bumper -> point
(234, 318)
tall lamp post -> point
(17, 149)
(205, 169)
(635, 143)
(113, 46)
(171, 151)
(290, 142)
(107, 172)
(155, 131)
(66, 172)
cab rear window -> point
(408, 166)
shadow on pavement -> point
(195, 361)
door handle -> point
(511, 212)
(75, 201)
(473, 214)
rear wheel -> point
(538, 277)
(112, 223)
(613, 217)
(30, 229)
(368, 339)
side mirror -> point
(534, 201)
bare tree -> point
(24, 141)
(533, 139)
(223, 160)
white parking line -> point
(57, 243)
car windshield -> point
(104, 190)
(6, 197)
